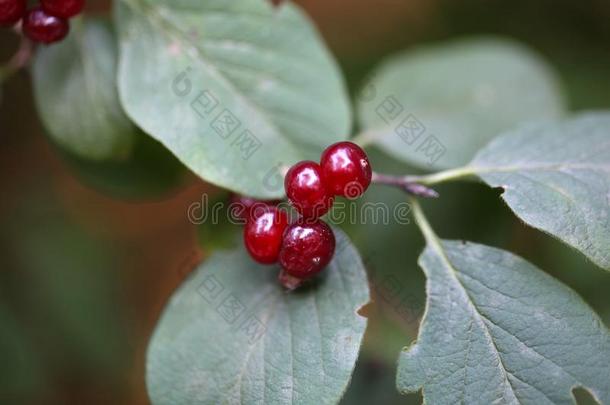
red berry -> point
(63, 8)
(307, 248)
(244, 208)
(346, 169)
(306, 190)
(263, 235)
(11, 11)
(42, 27)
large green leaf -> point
(232, 335)
(556, 177)
(498, 330)
(232, 88)
(435, 107)
(76, 94)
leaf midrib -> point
(90, 71)
(436, 245)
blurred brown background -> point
(84, 274)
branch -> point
(405, 184)
(20, 59)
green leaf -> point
(273, 347)
(499, 330)
(232, 88)
(556, 177)
(434, 107)
(151, 171)
(76, 95)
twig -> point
(405, 184)
(20, 59)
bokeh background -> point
(89, 254)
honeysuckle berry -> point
(244, 208)
(63, 8)
(11, 11)
(40, 26)
(307, 247)
(346, 169)
(263, 235)
(306, 189)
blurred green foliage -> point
(64, 307)
(67, 318)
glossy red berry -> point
(63, 8)
(245, 208)
(42, 27)
(306, 189)
(346, 169)
(11, 11)
(263, 235)
(307, 248)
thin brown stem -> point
(405, 184)
(20, 59)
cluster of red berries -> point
(46, 23)
(306, 246)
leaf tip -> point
(365, 309)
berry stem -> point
(429, 235)
(445, 175)
(405, 183)
(422, 221)
(19, 60)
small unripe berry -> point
(306, 189)
(346, 169)
(307, 248)
(263, 235)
